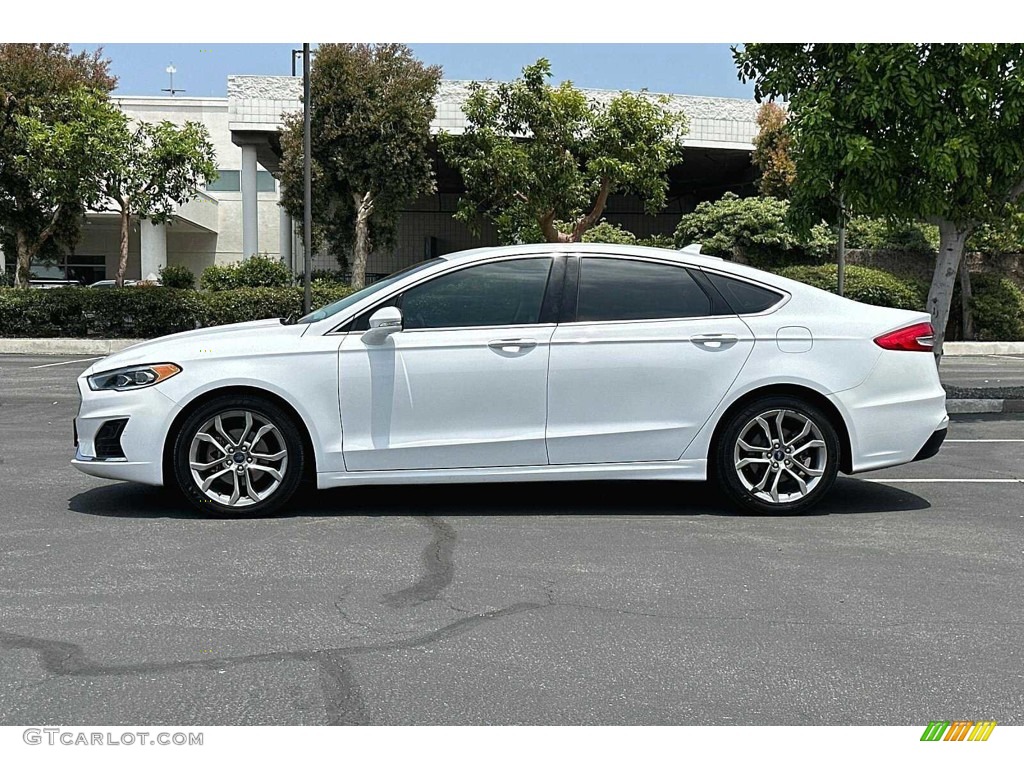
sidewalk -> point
(979, 377)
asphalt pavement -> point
(899, 602)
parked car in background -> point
(534, 362)
(44, 283)
(112, 283)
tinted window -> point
(744, 298)
(618, 289)
(503, 293)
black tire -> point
(789, 497)
(260, 486)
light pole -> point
(307, 182)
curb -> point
(64, 346)
(982, 405)
(976, 348)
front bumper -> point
(149, 413)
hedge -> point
(871, 286)
(997, 307)
(145, 312)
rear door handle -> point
(513, 346)
(714, 340)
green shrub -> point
(604, 232)
(177, 276)
(752, 229)
(1004, 236)
(910, 238)
(326, 276)
(146, 312)
(871, 286)
(259, 271)
(997, 306)
(658, 241)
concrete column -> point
(285, 238)
(250, 203)
(153, 249)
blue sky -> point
(202, 68)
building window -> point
(231, 181)
(86, 269)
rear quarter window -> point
(744, 298)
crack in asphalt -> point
(439, 568)
(343, 700)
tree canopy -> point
(151, 169)
(534, 154)
(772, 152)
(52, 111)
(907, 131)
(370, 134)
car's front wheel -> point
(238, 456)
(777, 455)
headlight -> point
(133, 377)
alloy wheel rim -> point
(780, 456)
(238, 458)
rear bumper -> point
(897, 415)
(931, 448)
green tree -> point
(534, 154)
(151, 169)
(52, 110)
(910, 131)
(370, 134)
(772, 152)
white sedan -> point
(536, 362)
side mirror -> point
(383, 323)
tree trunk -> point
(965, 300)
(361, 248)
(550, 231)
(27, 249)
(947, 263)
(595, 213)
(122, 263)
(24, 255)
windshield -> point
(354, 298)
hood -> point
(188, 345)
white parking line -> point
(67, 362)
(942, 480)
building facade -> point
(238, 215)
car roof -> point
(687, 256)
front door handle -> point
(712, 341)
(513, 346)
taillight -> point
(919, 337)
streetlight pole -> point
(307, 181)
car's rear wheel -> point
(238, 456)
(777, 456)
